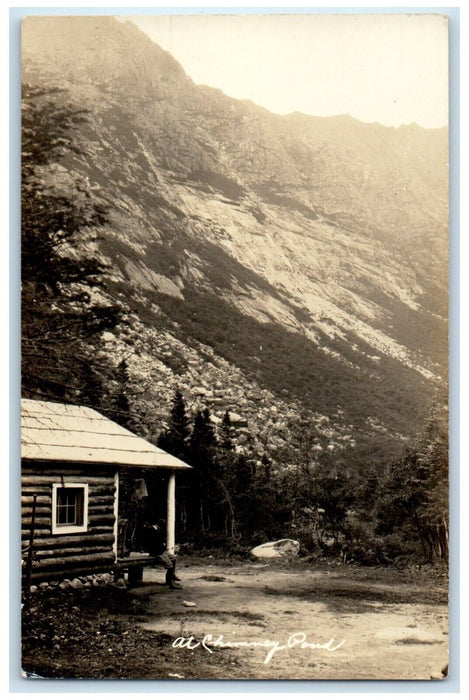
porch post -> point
(171, 513)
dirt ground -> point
(266, 621)
(384, 624)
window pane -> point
(70, 503)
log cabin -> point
(71, 460)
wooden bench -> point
(134, 565)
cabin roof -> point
(67, 433)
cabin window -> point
(69, 508)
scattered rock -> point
(120, 583)
(189, 604)
(76, 583)
(237, 420)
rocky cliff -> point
(283, 268)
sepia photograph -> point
(234, 347)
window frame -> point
(57, 528)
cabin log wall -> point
(68, 554)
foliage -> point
(175, 438)
(119, 407)
(365, 518)
(226, 494)
(226, 433)
(60, 271)
(414, 501)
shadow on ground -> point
(360, 598)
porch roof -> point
(67, 433)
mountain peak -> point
(101, 51)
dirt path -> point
(394, 624)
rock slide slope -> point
(272, 266)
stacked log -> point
(64, 554)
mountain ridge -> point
(304, 256)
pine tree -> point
(120, 405)
(226, 433)
(206, 487)
(266, 468)
(175, 439)
(92, 389)
(203, 440)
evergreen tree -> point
(226, 433)
(266, 468)
(202, 454)
(226, 461)
(61, 322)
(414, 497)
(119, 409)
(175, 439)
(433, 457)
(203, 441)
(241, 485)
(92, 389)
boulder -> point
(280, 548)
(237, 420)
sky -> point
(390, 69)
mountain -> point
(289, 269)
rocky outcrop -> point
(269, 266)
